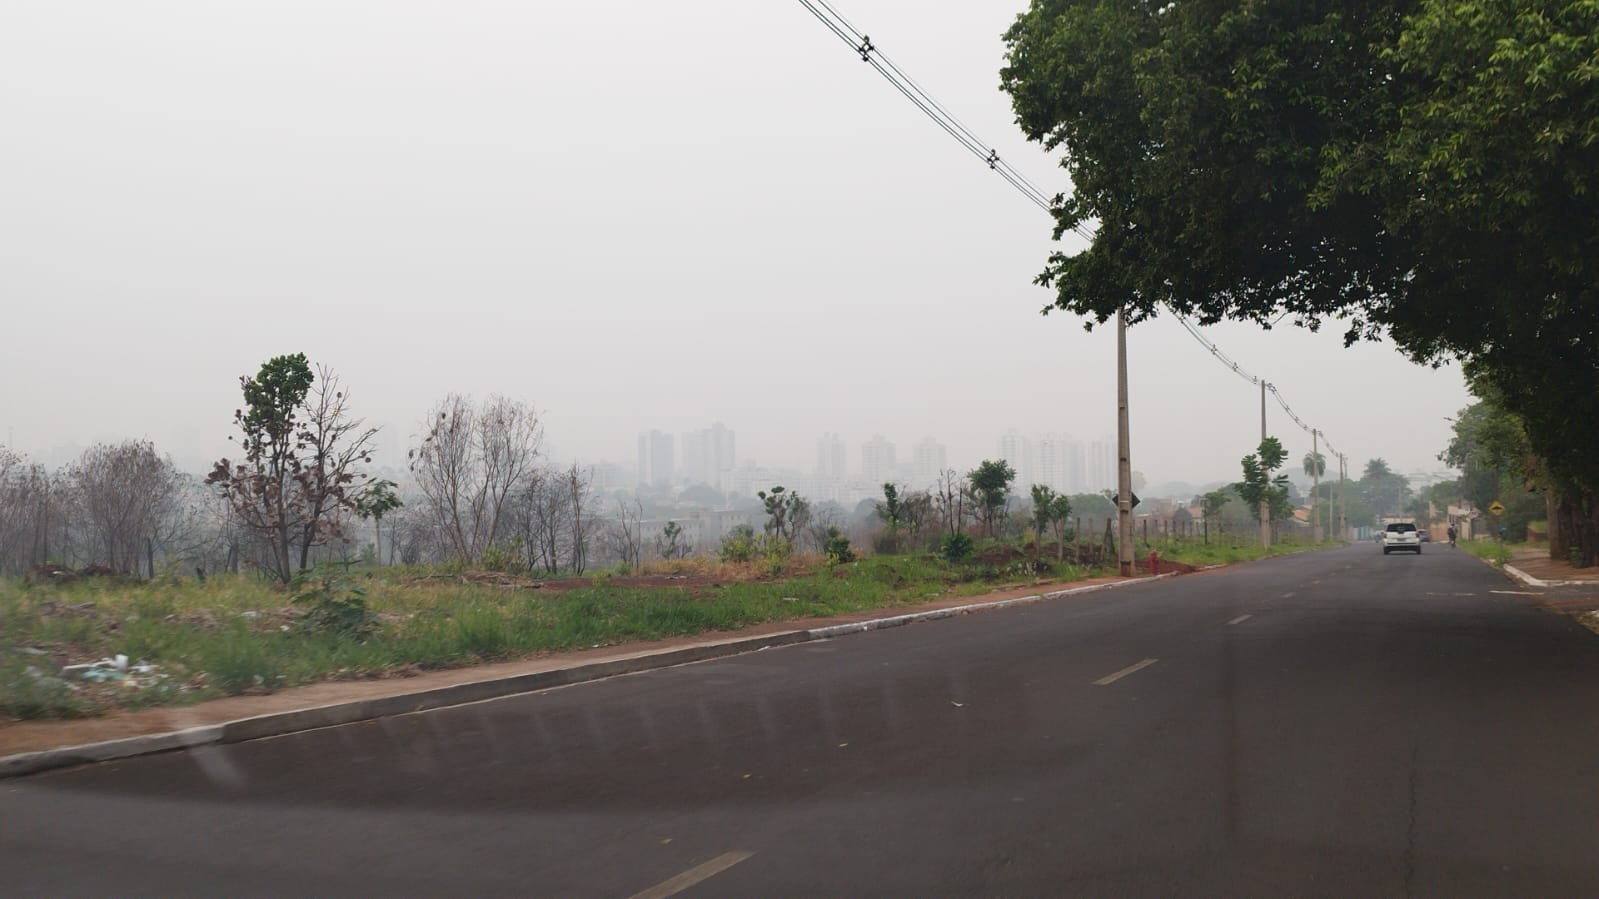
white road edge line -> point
(694, 875)
(1241, 618)
(1109, 679)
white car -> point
(1401, 535)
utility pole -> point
(1124, 463)
(1343, 507)
(1315, 485)
(1265, 504)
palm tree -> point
(1315, 465)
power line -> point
(871, 54)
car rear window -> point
(1401, 528)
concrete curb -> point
(282, 723)
(1531, 581)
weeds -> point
(234, 635)
(334, 605)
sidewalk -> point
(31, 746)
(1534, 567)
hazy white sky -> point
(632, 214)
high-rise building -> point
(830, 457)
(930, 458)
(877, 460)
(708, 456)
(720, 456)
(691, 458)
(1076, 471)
(654, 459)
(1102, 465)
(1051, 462)
(1016, 449)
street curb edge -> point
(280, 724)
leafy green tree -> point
(1211, 504)
(1491, 448)
(300, 473)
(1043, 509)
(1093, 505)
(1385, 491)
(1415, 168)
(787, 512)
(1315, 467)
(990, 484)
(892, 512)
(671, 543)
(374, 501)
(1259, 489)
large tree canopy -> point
(1417, 168)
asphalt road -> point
(1341, 723)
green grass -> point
(1219, 553)
(233, 635)
(1490, 550)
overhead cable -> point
(873, 55)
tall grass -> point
(1494, 552)
(233, 635)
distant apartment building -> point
(1076, 471)
(1101, 465)
(1016, 449)
(708, 457)
(655, 467)
(830, 464)
(877, 461)
(1051, 463)
(929, 458)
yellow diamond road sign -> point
(1496, 507)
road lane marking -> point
(1241, 618)
(1109, 679)
(1288, 595)
(694, 875)
(1514, 593)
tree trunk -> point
(1577, 522)
(1558, 545)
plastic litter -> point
(117, 670)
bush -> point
(504, 557)
(837, 547)
(739, 544)
(334, 605)
(957, 546)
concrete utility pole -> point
(1315, 485)
(1124, 463)
(1265, 504)
(1343, 507)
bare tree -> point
(626, 533)
(820, 523)
(577, 484)
(470, 463)
(950, 497)
(551, 509)
(128, 496)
